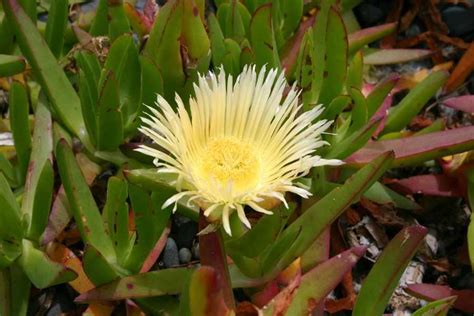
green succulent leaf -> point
(109, 116)
(150, 180)
(355, 72)
(231, 61)
(11, 65)
(414, 101)
(10, 223)
(8, 171)
(266, 231)
(56, 26)
(36, 201)
(354, 142)
(64, 100)
(9, 252)
(337, 105)
(118, 22)
(382, 194)
(395, 56)
(6, 37)
(359, 39)
(152, 84)
(156, 283)
(470, 229)
(83, 207)
(163, 46)
(194, 32)
(385, 274)
(438, 125)
(318, 61)
(359, 113)
(123, 61)
(14, 291)
(218, 47)
(115, 214)
(40, 269)
(292, 12)
(100, 24)
(98, 269)
(436, 308)
(247, 56)
(262, 37)
(150, 221)
(379, 93)
(335, 58)
(19, 121)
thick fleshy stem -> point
(212, 253)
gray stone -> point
(184, 255)
(170, 254)
(460, 21)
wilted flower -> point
(242, 144)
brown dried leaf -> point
(461, 71)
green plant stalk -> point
(212, 253)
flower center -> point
(228, 159)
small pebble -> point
(184, 255)
(55, 310)
(195, 250)
(460, 21)
(170, 254)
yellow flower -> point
(243, 143)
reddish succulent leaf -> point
(97, 309)
(280, 303)
(461, 71)
(272, 288)
(292, 48)
(156, 283)
(428, 184)
(138, 20)
(212, 254)
(464, 103)
(360, 38)
(317, 283)
(205, 294)
(59, 217)
(395, 56)
(66, 257)
(416, 149)
(433, 292)
(156, 251)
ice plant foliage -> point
(243, 143)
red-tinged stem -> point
(212, 253)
